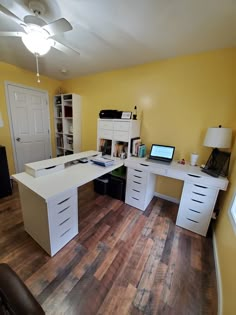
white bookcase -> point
(114, 136)
(67, 117)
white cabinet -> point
(196, 207)
(67, 117)
(62, 220)
(114, 136)
(140, 187)
(52, 224)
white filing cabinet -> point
(114, 136)
(139, 188)
(196, 207)
(57, 221)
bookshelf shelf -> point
(67, 118)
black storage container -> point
(116, 187)
(101, 185)
(5, 187)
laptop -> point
(161, 153)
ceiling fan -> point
(37, 35)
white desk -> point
(198, 197)
(49, 202)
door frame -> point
(7, 83)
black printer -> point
(110, 113)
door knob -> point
(18, 139)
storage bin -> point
(101, 184)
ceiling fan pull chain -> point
(37, 66)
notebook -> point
(161, 153)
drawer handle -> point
(136, 190)
(192, 220)
(199, 194)
(200, 186)
(144, 164)
(137, 176)
(59, 203)
(136, 182)
(192, 175)
(64, 221)
(194, 210)
(135, 198)
(65, 232)
(49, 167)
(197, 200)
(63, 210)
(138, 170)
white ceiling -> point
(112, 34)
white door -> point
(29, 117)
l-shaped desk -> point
(49, 202)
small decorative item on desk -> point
(193, 159)
(135, 113)
(182, 161)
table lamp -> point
(218, 162)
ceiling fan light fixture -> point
(36, 42)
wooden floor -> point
(123, 261)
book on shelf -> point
(103, 161)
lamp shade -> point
(218, 138)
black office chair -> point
(15, 297)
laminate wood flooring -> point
(123, 261)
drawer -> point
(137, 175)
(121, 125)
(198, 215)
(106, 134)
(192, 225)
(136, 192)
(200, 191)
(136, 202)
(121, 136)
(106, 125)
(63, 200)
(136, 185)
(197, 205)
(59, 241)
(62, 212)
(43, 171)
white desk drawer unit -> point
(196, 207)
(62, 219)
(139, 188)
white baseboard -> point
(218, 276)
(165, 197)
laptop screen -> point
(162, 152)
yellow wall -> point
(20, 76)
(178, 100)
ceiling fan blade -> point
(58, 26)
(12, 16)
(11, 34)
(65, 49)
